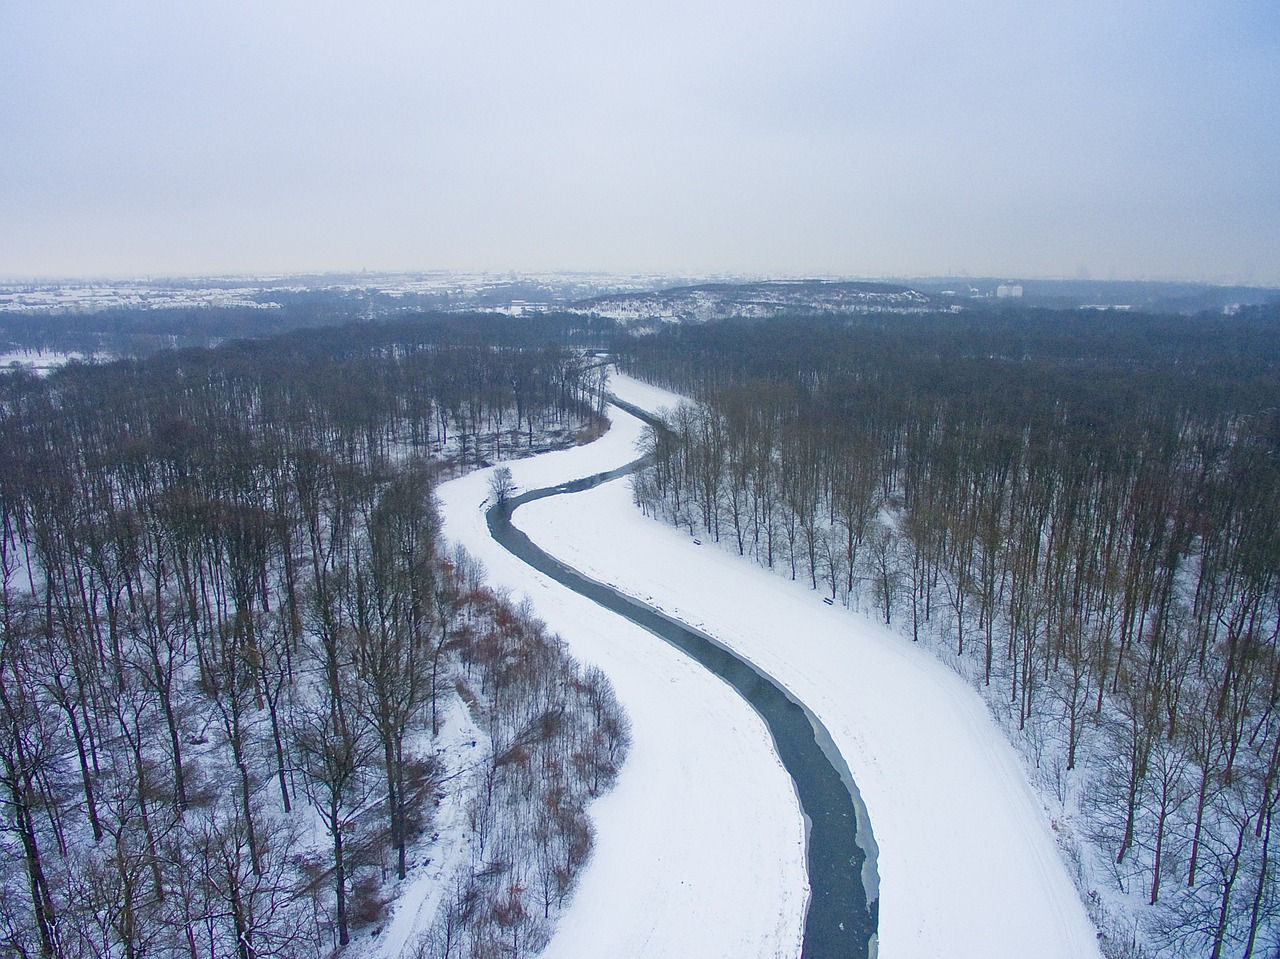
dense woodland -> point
(143, 331)
(1081, 511)
(232, 637)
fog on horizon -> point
(1111, 139)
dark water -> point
(839, 922)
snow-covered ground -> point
(40, 362)
(700, 847)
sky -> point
(1108, 138)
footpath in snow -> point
(700, 847)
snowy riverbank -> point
(700, 847)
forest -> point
(1080, 511)
(241, 673)
(130, 331)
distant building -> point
(1009, 291)
(521, 308)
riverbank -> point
(968, 864)
(700, 846)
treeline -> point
(140, 332)
(231, 638)
(1083, 513)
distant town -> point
(516, 293)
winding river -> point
(841, 917)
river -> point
(840, 922)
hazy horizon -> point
(678, 279)
(873, 140)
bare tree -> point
(501, 484)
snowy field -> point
(40, 362)
(700, 847)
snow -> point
(700, 845)
(461, 746)
(699, 848)
(40, 362)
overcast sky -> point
(859, 138)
